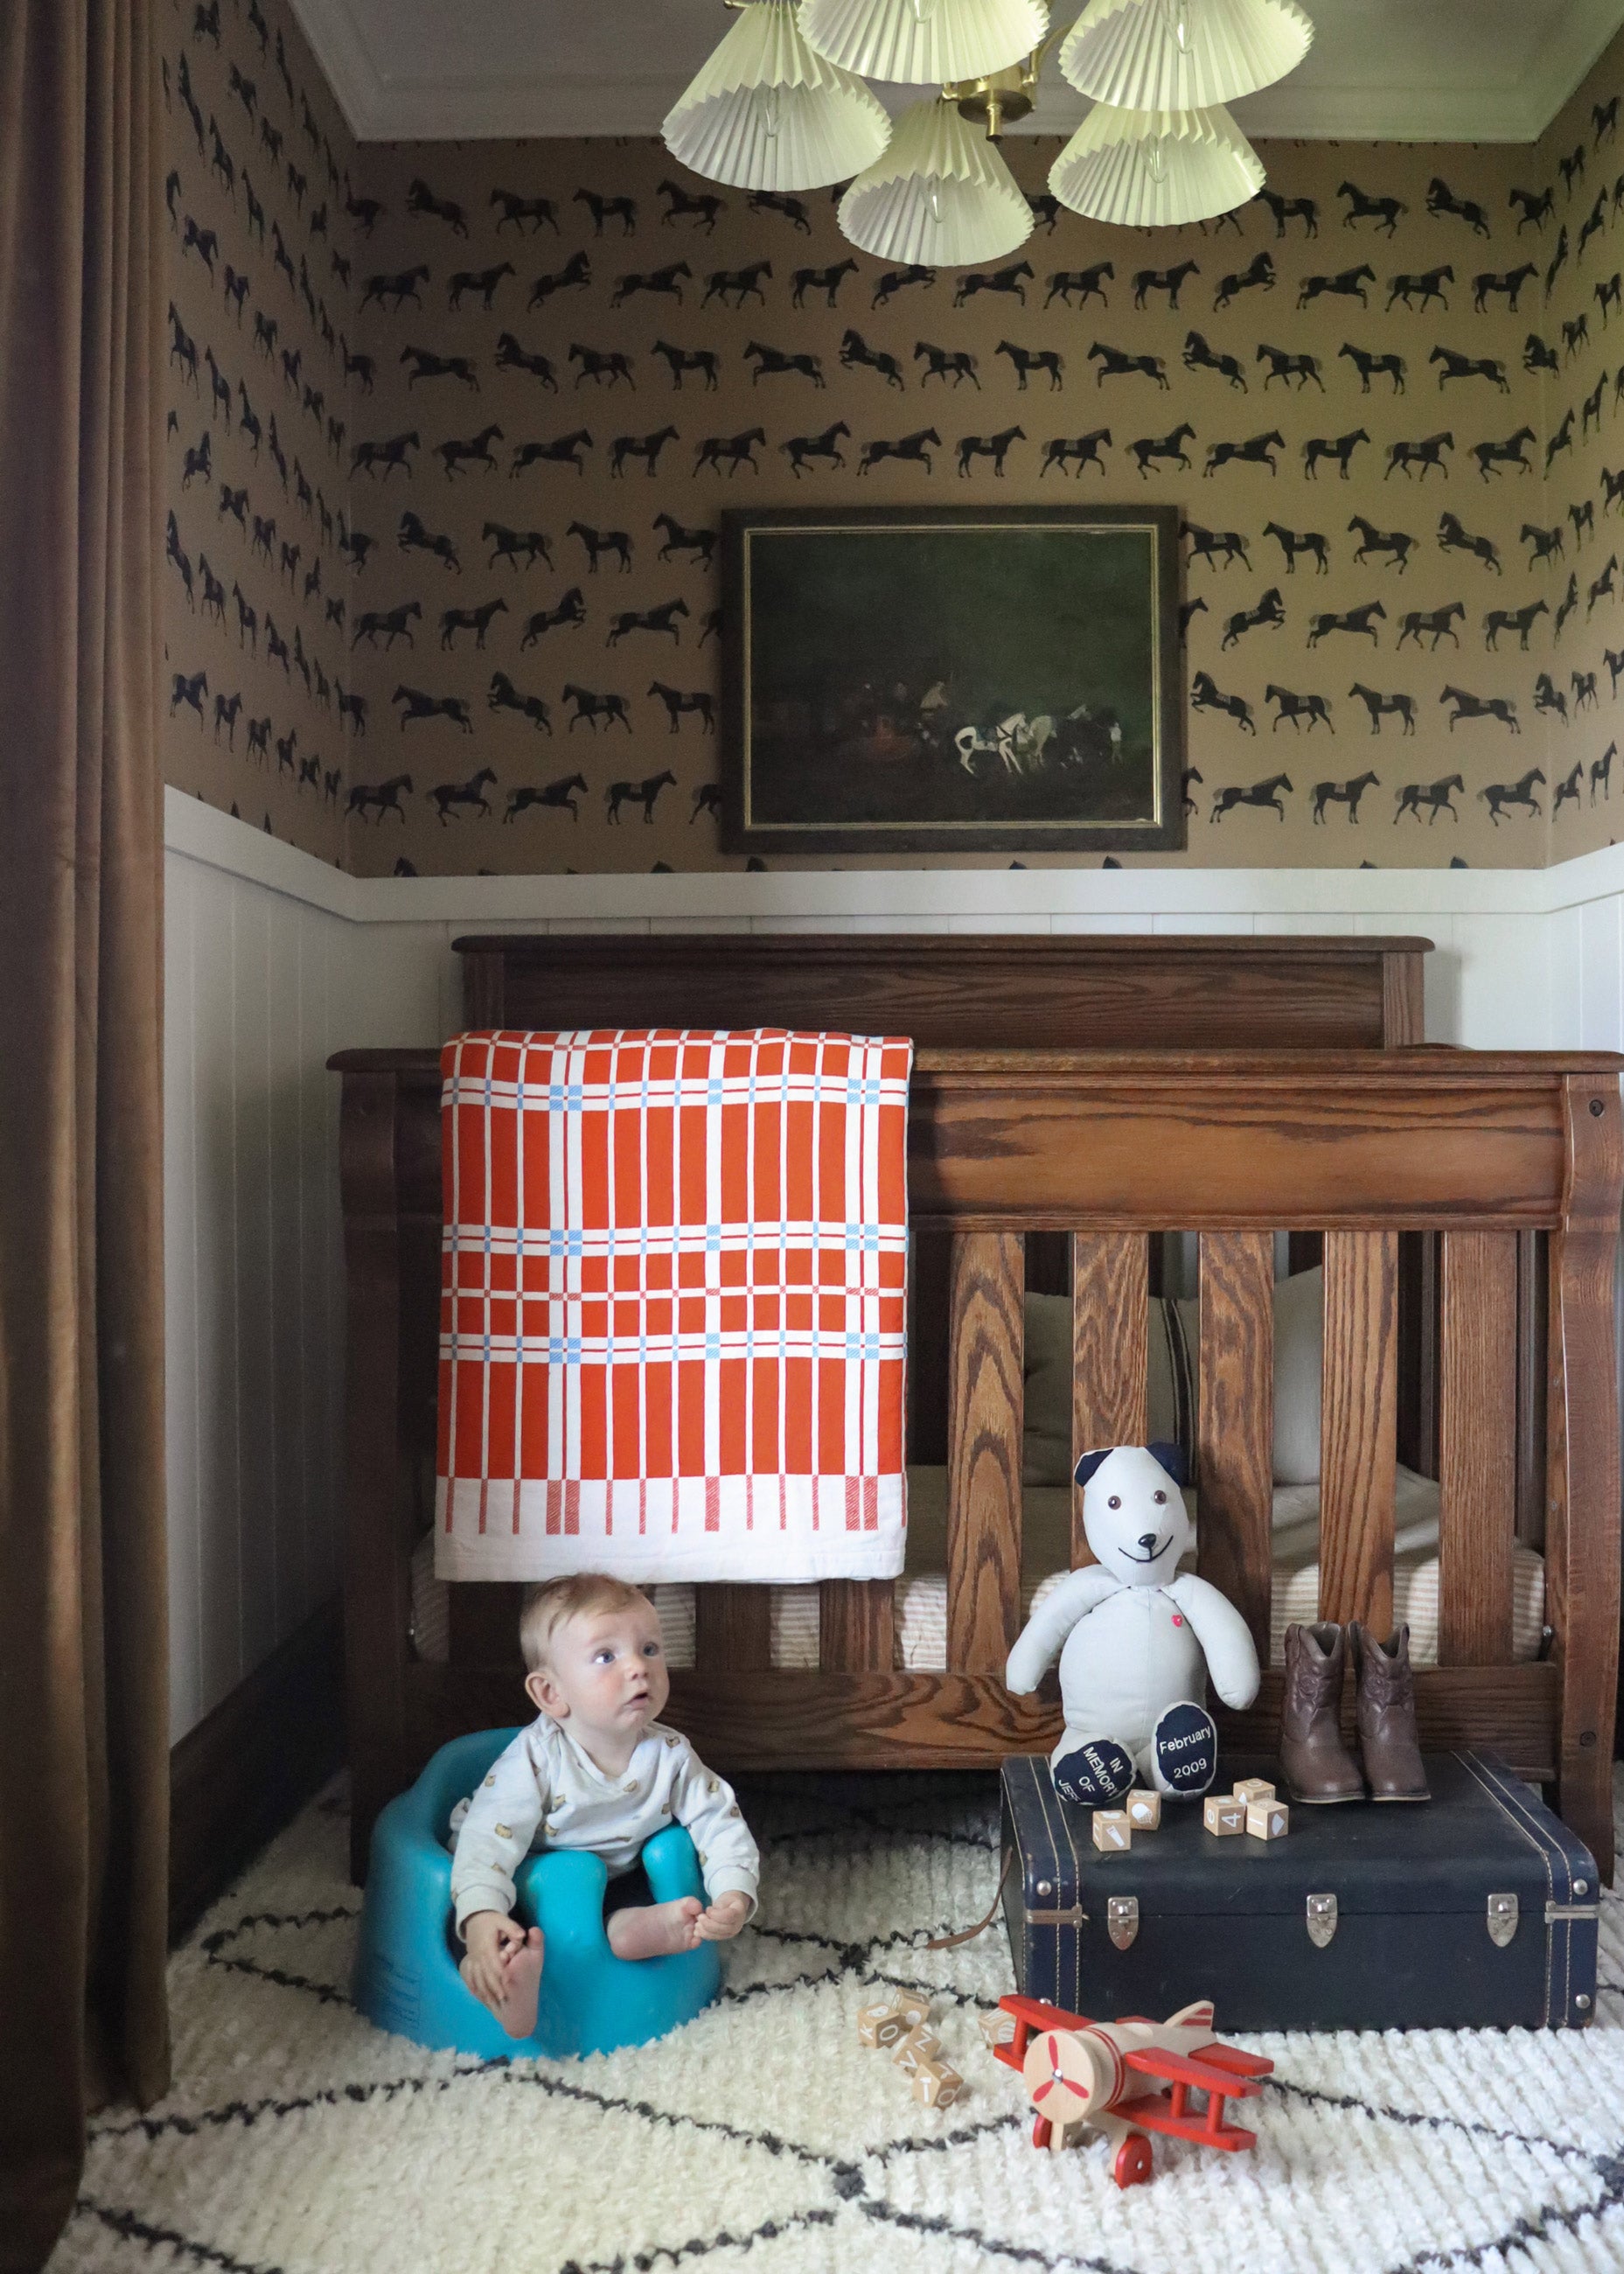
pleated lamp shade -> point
(924, 42)
(1156, 168)
(1183, 54)
(765, 113)
(941, 195)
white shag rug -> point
(298, 2140)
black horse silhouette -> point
(1117, 363)
(1439, 622)
(456, 454)
(483, 280)
(512, 544)
(1087, 284)
(1012, 280)
(426, 365)
(602, 209)
(1204, 695)
(1452, 538)
(566, 451)
(1367, 366)
(646, 447)
(1452, 366)
(381, 798)
(800, 447)
(1258, 450)
(732, 286)
(645, 793)
(569, 611)
(1362, 620)
(1292, 542)
(1379, 706)
(1314, 708)
(1601, 772)
(1285, 209)
(667, 281)
(1567, 788)
(191, 690)
(601, 363)
(1480, 706)
(575, 275)
(416, 704)
(1026, 360)
(1341, 448)
(1269, 610)
(1257, 275)
(449, 795)
(511, 357)
(1441, 200)
(1385, 212)
(1492, 456)
(737, 449)
(1436, 796)
(1547, 698)
(1347, 793)
(516, 211)
(1520, 621)
(683, 205)
(1149, 447)
(1535, 207)
(1426, 454)
(1347, 284)
(1428, 283)
(396, 289)
(1286, 365)
(1393, 542)
(782, 363)
(896, 280)
(703, 360)
(956, 364)
(477, 621)
(1265, 793)
(912, 449)
(421, 200)
(676, 704)
(562, 792)
(1225, 544)
(592, 708)
(1499, 795)
(1170, 281)
(699, 542)
(826, 281)
(1200, 357)
(707, 799)
(368, 456)
(995, 446)
(855, 350)
(787, 208)
(602, 540)
(1078, 450)
(662, 619)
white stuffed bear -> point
(1139, 1639)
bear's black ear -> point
(1090, 1462)
(1172, 1459)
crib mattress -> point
(1045, 1544)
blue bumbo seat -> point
(406, 1976)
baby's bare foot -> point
(655, 1930)
(521, 1976)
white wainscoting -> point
(274, 960)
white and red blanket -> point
(672, 1327)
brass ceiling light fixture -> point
(783, 101)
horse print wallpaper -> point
(453, 425)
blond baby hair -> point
(547, 1606)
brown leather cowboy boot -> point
(1316, 1766)
(1387, 1716)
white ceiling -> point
(1488, 70)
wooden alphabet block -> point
(996, 2028)
(1144, 1810)
(935, 2085)
(881, 2024)
(920, 2044)
(1268, 1819)
(1251, 1789)
(1222, 1814)
(1113, 1834)
(914, 2010)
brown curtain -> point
(83, 1640)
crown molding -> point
(380, 107)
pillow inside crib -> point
(1171, 1376)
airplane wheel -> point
(1041, 2130)
(1133, 2165)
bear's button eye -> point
(1115, 1500)
(1159, 1498)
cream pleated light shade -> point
(765, 113)
(1131, 53)
(1156, 168)
(940, 196)
(924, 42)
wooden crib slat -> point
(1477, 1449)
(987, 1343)
(1111, 1283)
(1358, 1429)
(732, 1628)
(1235, 1426)
(856, 1625)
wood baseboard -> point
(248, 1766)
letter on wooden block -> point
(1143, 1810)
(914, 2010)
(920, 2044)
(935, 2085)
(1113, 1834)
(996, 2028)
(1251, 1789)
(1267, 1820)
(881, 2024)
(1224, 1815)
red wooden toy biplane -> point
(1108, 2075)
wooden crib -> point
(1468, 1204)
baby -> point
(596, 1771)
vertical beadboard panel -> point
(215, 1286)
(180, 1262)
(256, 1326)
(284, 1050)
(1599, 939)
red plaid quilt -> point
(673, 1306)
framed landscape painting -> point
(951, 680)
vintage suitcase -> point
(1477, 1910)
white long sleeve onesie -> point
(545, 1791)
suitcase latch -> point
(1122, 1920)
(1503, 1919)
(1321, 1913)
